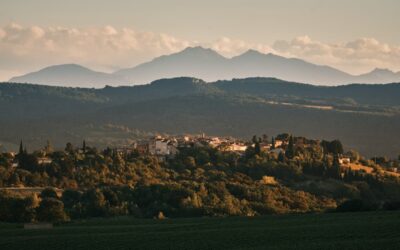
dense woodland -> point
(200, 180)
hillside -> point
(364, 117)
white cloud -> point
(357, 56)
(106, 48)
(230, 47)
(27, 48)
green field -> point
(375, 230)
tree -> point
(336, 147)
(281, 157)
(28, 162)
(333, 147)
(84, 146)
(94, 202)
(272, 143)
(290, 151)
(21, 149)
(48, 193)
(334, 170)
(257, 148)
(72, 203)
(69, 148)
(14, 208)
(190, 162)
(51, 210)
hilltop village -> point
(165, 148)
(194, 175)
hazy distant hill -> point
(364, 117)
(70, 75)
(208, 65)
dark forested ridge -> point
(364, 117)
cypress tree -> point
(290, 152)
(257, 148)
(21, 148)
(272, 143)
(281, 157)
(84, 146)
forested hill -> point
(364, 117)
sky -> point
(354, 36)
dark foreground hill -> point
(363, 117)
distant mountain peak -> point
(197, 50)
(68, 66)
(382, 70)
(251, 52)
(72, 75)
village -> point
(166, 147)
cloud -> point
(104, 48)
(27, 48)
(357, 56)
(230, 47)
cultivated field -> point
(375, 230)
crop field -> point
(368, 230)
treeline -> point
(303, 176)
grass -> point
(372, 230)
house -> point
(142, 147)
(265, 146)
(344, 160)
(278, 143)
(237, 147)
(162, 146)
(172, 148)
(213, 142)
(268, 180)
(44, 160)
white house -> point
(236, 147)
(344, 160)
(160, 146)
(44, 160)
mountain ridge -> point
(209, 65)
(71, 75)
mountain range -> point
(208, 65)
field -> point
(375, 230)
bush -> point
(356, 205)
(391, 205)
(51, 210)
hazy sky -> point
(352, 35)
